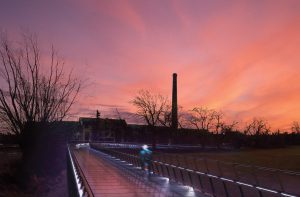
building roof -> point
(102, 121)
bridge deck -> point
(110, 179)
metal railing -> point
(199, 175)
(273, 179)
(83, 188)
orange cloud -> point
(239, 56)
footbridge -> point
(113, 170)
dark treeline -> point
(223, 140)
(205, 126)
(166, 135)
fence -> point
(214, 177)
(273, 179)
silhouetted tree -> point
(33, 90)
(166, 116)
(151, 107)
(226, 127)
(165, 119)
(295, 127)
(201, 118)
(218, 122)
(257, 132)
(181, 117)
(257, 126)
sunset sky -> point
(241, 57)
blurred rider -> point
(146, 159)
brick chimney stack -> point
(174, 103)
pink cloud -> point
(238, 56)
(230, 60)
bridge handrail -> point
(137, 146)
(84, 183)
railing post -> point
(168, 172)
(182, 178)
(225, 188)
(212, 186)
(160, 169)
(190, 177)
(200, 182)
(241, 190)
(175, 175)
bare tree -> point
(228, 127)
(181, 117)
(28, 93)
(201, 118)
(218, 121)
(295, 127)
(165, 118)
(184, 119)
(151, 107)
(258, 126)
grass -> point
(281, 158)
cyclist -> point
(146, 159)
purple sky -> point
(241, 57)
